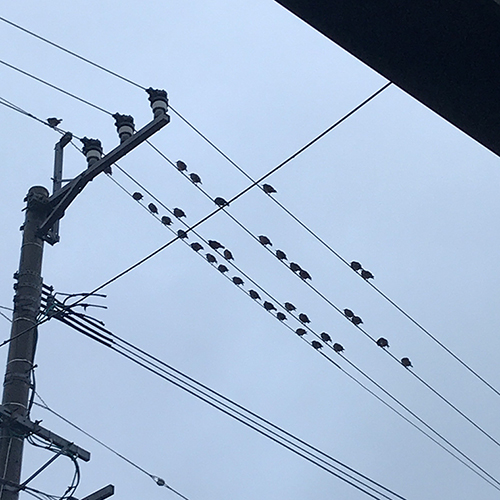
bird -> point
(54, 122)
(355, 265)
(195, 178)
(181, 166)
(179, 213)
(337, 347)
(196, 246)
(137, 196)
(304, 275)
(367, 275)
(303, 317)
(265, 240)
(326, 337)
(268, 306)
(316, 344)
(222, 268)
(166, 220)
(228, 255)
(221, 202)
(300, 332)
(289, 306)
(237, 280)
(381, 342)
(356, 320)
(215, 244)
(211, 258)
(254, 295)
(348, 313)
(153, 208)
(406, 362)
(268, 189)
(182, 234)
(281, 255)
(281, 316)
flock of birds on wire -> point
(280, 255)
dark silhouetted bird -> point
(137, 196)
(268, 188)
(221, 202)
(265, 240)
(289, 306)
(196, 246)
(326, 337)
(357, 320)
(281, 316)
(152, 207)
(381, 342)
(195, 178)
(348, 313)
(303, 317)
(316, 344)
(215, 244)
(179, 213)
(281, 255)
(237, 280)
(181, 166)
(367, 275)
(222, 268)
(295, 267)
(355, 265)
(228, 255)
(268, 306)
(211, 258)
(182, 234)
(166, 220)
(406, 362)
(337, 347)
(304, 275)
(54, 122)
(254, 295)
(300, 332)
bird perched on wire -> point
(381, 342)
(357, 320)
(54, 122)
(228, 255)
(348, 313)
(195, 178)
(304, 275)
(289, 306)
(300, 332)
(265, 240)
(268, 189)
(316, 344)
(221, 202)
(182, 234)
(166, 220)
(237, 280)
(211, 258)
(281, 316)
(281, 255)
(406, 362)
(215, 244)
(355, 265)
(367, 275)
(269, 307)
(326, 337)
(303, 318)
(179, 213)
(222, 268)
(196, 246)
(153, 208)
(137, 196)
(181, 166)
(295, 267)
(337, 347)
(254, 295)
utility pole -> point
(43, 213)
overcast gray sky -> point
(395, 187)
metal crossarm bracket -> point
(26, 425)
(101, 494)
